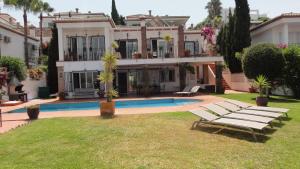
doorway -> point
(122, 83)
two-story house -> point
(85, 37)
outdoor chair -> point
(259, 108)
(236, 109)
(185, 90)
(225, 113)
(192, 91)
(207, 118)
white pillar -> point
(60, 43)
(285, 34)
(107, 40)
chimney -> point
(10, 20)
(77, 10)
(18, 25)
(192, 26)
(150, 12)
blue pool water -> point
(119, 104)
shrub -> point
(263, 59)
(15, 65)
(292, 69)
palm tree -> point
(214, 8)
(26, 6)
(168, 39)
(44, 7)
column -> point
(107, 40)
(61, 79)
(180, 41)
(286, 34)
(219, 86)
(60, 43)
(144, 41)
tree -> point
(292, 69)
(242, 38)
(44, 7)
(263, 59)
(122, 20)
(214, 8)
(26, 6)
(114, 13)
(52, 76)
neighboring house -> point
(284, 29)
(84, 39)
(12, 40)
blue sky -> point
(193, 8)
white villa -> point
(12, 40)
(284, 29)
(85, 37)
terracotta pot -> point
(262, 101)
(107, 109)
(33, 113)
(211, 53)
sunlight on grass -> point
(149, 141)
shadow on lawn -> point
(239, 134)
(281, 100)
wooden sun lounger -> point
(207, 118)
(225, 113)
(259, 108)
(236, 109)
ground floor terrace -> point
(134, 80)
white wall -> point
(16, 46)
(31, 87)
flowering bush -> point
(282, 46)
(35, 73)
(208, 34)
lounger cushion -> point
(271, 109)
(205, 115)
(249, 117)
(241, 123)
(260, 113)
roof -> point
(16, 32)
(285, 15)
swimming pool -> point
(119, 104)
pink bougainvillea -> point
(208, 34)
(282, 46)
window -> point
(131, 47)
(77, 48)
(167, 75)
(97, 47)
(192, 46)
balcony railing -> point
(84, 56)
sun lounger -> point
(193, 91)
(186, 89)
(259, 108)
(210, 119)
(236, 109)
(225, 113)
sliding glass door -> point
(84, 80)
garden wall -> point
(31, 86)
(237, 81)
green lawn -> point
(149, 141)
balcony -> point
(91, 55)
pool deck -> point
(14, 120)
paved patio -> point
(14, 120)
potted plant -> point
(107, 108)
(62, 96)
(33, 112)
(261, 83)
(187, 53)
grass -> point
(149, 141)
